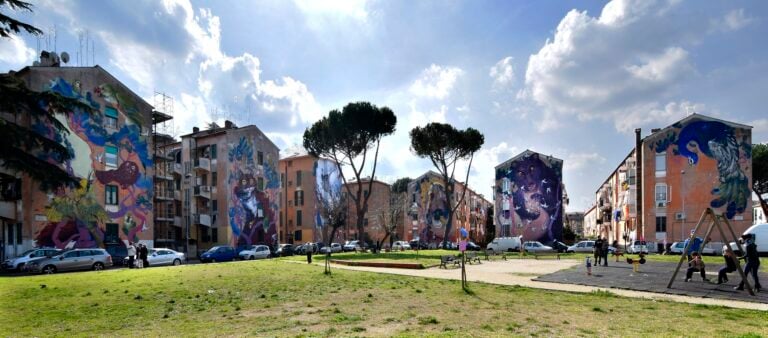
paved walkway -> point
(525, 272)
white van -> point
(760, 232)
(504, 244)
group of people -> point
(601, 251)
(696, 264)
(137, 255)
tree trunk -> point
(763, 204)
(449, 190)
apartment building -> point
(112, 156)
(298, 201)
(575, 221)
(676, 173)
(426, 217)
(230, 187)
(529, 197)
(169, 228)
(376, 217)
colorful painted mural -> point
(253, 209)
(433, 209)
(75, 217)
(328, 185)
(529, 197)
(730, 147)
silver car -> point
(19, 263)
(77, 259)
(165, 257)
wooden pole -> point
(690, 241)
(738, 265)
(707, 234)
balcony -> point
(203, 191)
(164, 171)
(177, 221)
(163, 194)
(177, 169)
(166, 155)
(202, 219)
(202, 163)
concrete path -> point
(523, 271)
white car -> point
(334, 247)
(583, 246)
(160, 256)
(400, 246)
(503, 244)
(678, 247)
(18, 263)
(352, 246)
(637, 247)
(255, 252)
(536, 246)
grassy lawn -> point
(281, 298)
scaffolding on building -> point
(167, 224)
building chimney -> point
(229, 125)
(195, 129)
(639, 181)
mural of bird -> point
(121, 100)
(716, 140)
(127, 174)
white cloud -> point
(355, 9)
(579, 161)
(502, 73)
(759, 126)
(436, 82)
(733, 21)
(15, 53)
(626, 61)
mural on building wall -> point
(730, 147)
(75, 218)
(253, 210)
(433, 208)
(529, 198)
(328, 185)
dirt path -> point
(520, 272)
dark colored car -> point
(221, 253)
(284, 250)
(559, 246)
(471, 246)
(416, 245)
(118, 253)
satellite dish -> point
(64, 57)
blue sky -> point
(571, 79)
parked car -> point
(77, 259)
(471, 246)
(678, 247)
(352, 246)
(583, 246)
(760, 232)
(255, 252)
(637, 247)
(400, 246)
(220, 253)
(504, 244)
(284, 250)
(162, 256)
(333, 248)
(559, 246)
(119, 253)
(536, 246)
(418, 245)
(19, 263)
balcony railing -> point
(202, 163)
(202, 219)
(164, 194)
(202, 191)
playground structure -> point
(715, 221)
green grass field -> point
(283, 298)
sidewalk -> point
(523, 272)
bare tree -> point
(390, 217)
(331, 204)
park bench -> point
(536, 255)
(448, 259)
(489, 253)
(472, 257)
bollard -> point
(636, 266)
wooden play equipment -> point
(715, 221)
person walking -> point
(131, 255)
(144, 252)
(730, 265)
(753, 262)
(604, 250)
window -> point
(661, 195)
(298, 198)
(110, 117)
(215, 206)
(110, 194)
(632, 176)
(214, 178)
(213, 151)
(298, 218)
(282, 180)
(112, 235)
(661, 165)
(18, 233)
(260, 183)
(298, 178)
(259, 158)
(661, 223)
(214, 235)
(110, 156)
